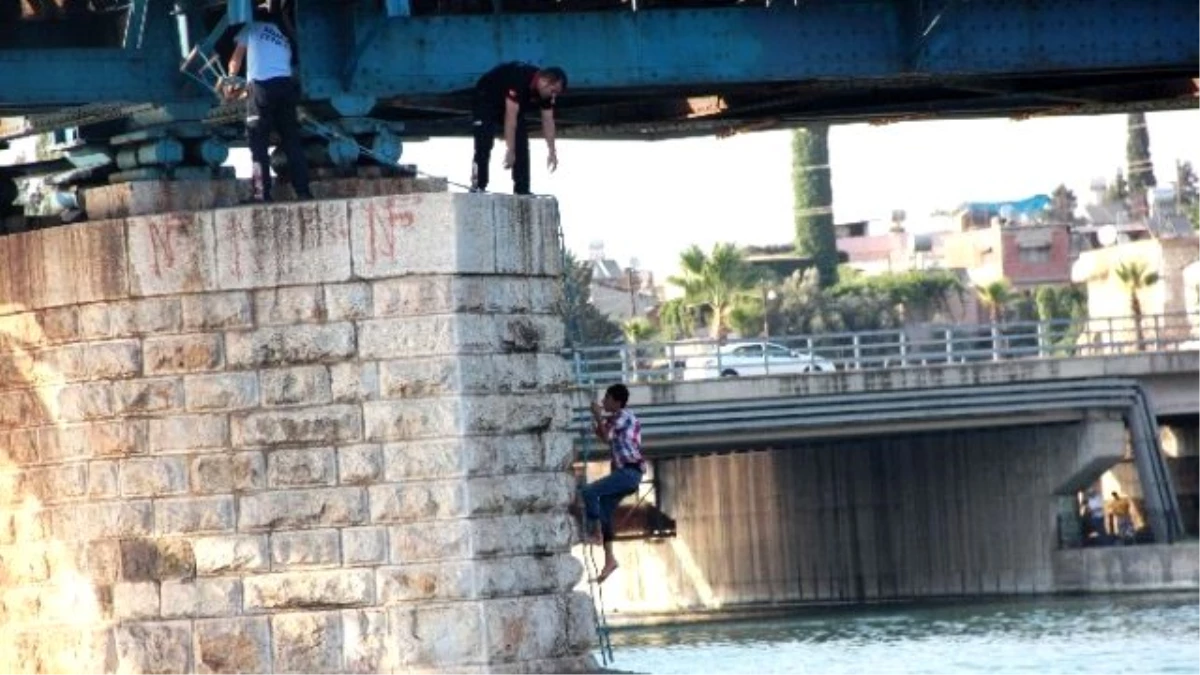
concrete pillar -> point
(1101, 444)
(1181, 445)
(320, 437)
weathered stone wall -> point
(321, 437)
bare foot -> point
(609, 568)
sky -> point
(650, 200)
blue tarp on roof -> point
(1031, 205)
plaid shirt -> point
(625, 438)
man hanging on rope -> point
(616, 425)
(272, 96)
(502, 97)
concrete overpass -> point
(697, 416)
(922, 481)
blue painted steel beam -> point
(72, 77)
(692, 51)
(238, 12)
(69, 77)
(397, 7)
(135, 24)
(817, 40)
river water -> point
(1153, 633)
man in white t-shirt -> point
(272, 97)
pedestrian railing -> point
(921, 346)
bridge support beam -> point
(1160, 503)
(317, 437)
(1181, 446)
(787, 43)
(980, 511)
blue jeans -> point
(600, 497)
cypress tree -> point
(813, 206)
(1140, 167)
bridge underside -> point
(685, 429)
(668, 69)
(135, 78)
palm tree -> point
(716, 281)
(1136, 276)
(675, 319)
(996, 297)
(637, 330)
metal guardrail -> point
(899, 348)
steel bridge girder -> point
(692, 48)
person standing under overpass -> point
(1121, 509)
(273, 94)
(502, 98)
(616, 425)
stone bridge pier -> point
(324, 437)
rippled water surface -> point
(1154, 633)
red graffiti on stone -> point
(385, 219)
(237, 235)
(162, 245)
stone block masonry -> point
(321, 437)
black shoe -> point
(475, 189)
(304, 197)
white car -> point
(754, 358)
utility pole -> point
(766, 295)
(632, 296)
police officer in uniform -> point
(502, 97)
(273, 94)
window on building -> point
(1036, 254)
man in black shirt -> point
(502, 97)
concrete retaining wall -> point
(321, 437)
(1128, 568)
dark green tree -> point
(676, 320)
(813, 204)
(1118, 189)
(1062, 206)
(586, 325)
(1185, 182)
(915, 295)
(1139, 164)
(1064, 311)
(1187, 194)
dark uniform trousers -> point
(487, 121)
(272, 105)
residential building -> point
(1027, 256)
(895, 250)
(620, 293)
(1005, 240)
(1175, 294)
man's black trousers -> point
(486, 122)
(272, 105)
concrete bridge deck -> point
(702, 415)
(949, 480)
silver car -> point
(754, 358)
